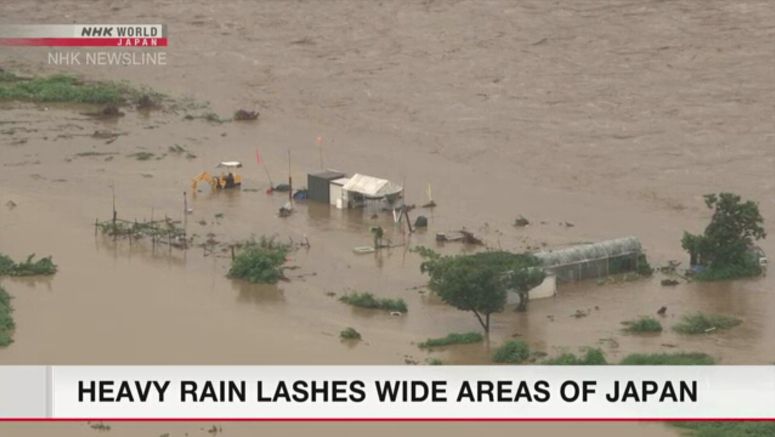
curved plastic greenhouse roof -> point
(590, 252)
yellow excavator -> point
(227, 180)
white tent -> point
(370, 186)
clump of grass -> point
(141, 156)
(350, 334)
(673, 359)
(99, 426)
(7, 324)
(700, 323)
(214, 118)
(435, 362)
(94, 153)
(28, 267)
(728, 429)
(454, 338)
(368, 300)
(260, 261)
(177, 148)
(513, 351)
(591, 357)
(642, 325)
(63, 88)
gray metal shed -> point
(318, 184)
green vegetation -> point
(43, 266)
(591, 357)
(674, 359)
(728, 429)
(724, 250)
(7, 324)
(368, 300)
(260, 261)
(643, 267)
(479, 282)
(179, 150)
(94, 153)
(512, 352)
(699, 323)
(64, 88)
(454, 338)
(141, 156)
(159, 230)
(434, 361)
(350, 334)
(643, 324)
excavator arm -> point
(204, 176)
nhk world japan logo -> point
(84, 35)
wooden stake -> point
(185, 215)
(290, 180)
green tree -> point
(260, 261)
(724, 247)
(480, 282)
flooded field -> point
(613, 116)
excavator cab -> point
(228, 179)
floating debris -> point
(110, 111)
(243, 115)
(461, 235)
(145, 102)
(521, 221)
(105, 134)
(286, 210)
(579, 314)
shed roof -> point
(371, 186)
(328, 174)
(590, 252)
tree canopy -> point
(260, 261)
(479, 283)
(724, 247)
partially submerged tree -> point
(724, 249)
(260, 261)
(479, 283)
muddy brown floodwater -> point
(614, 116)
